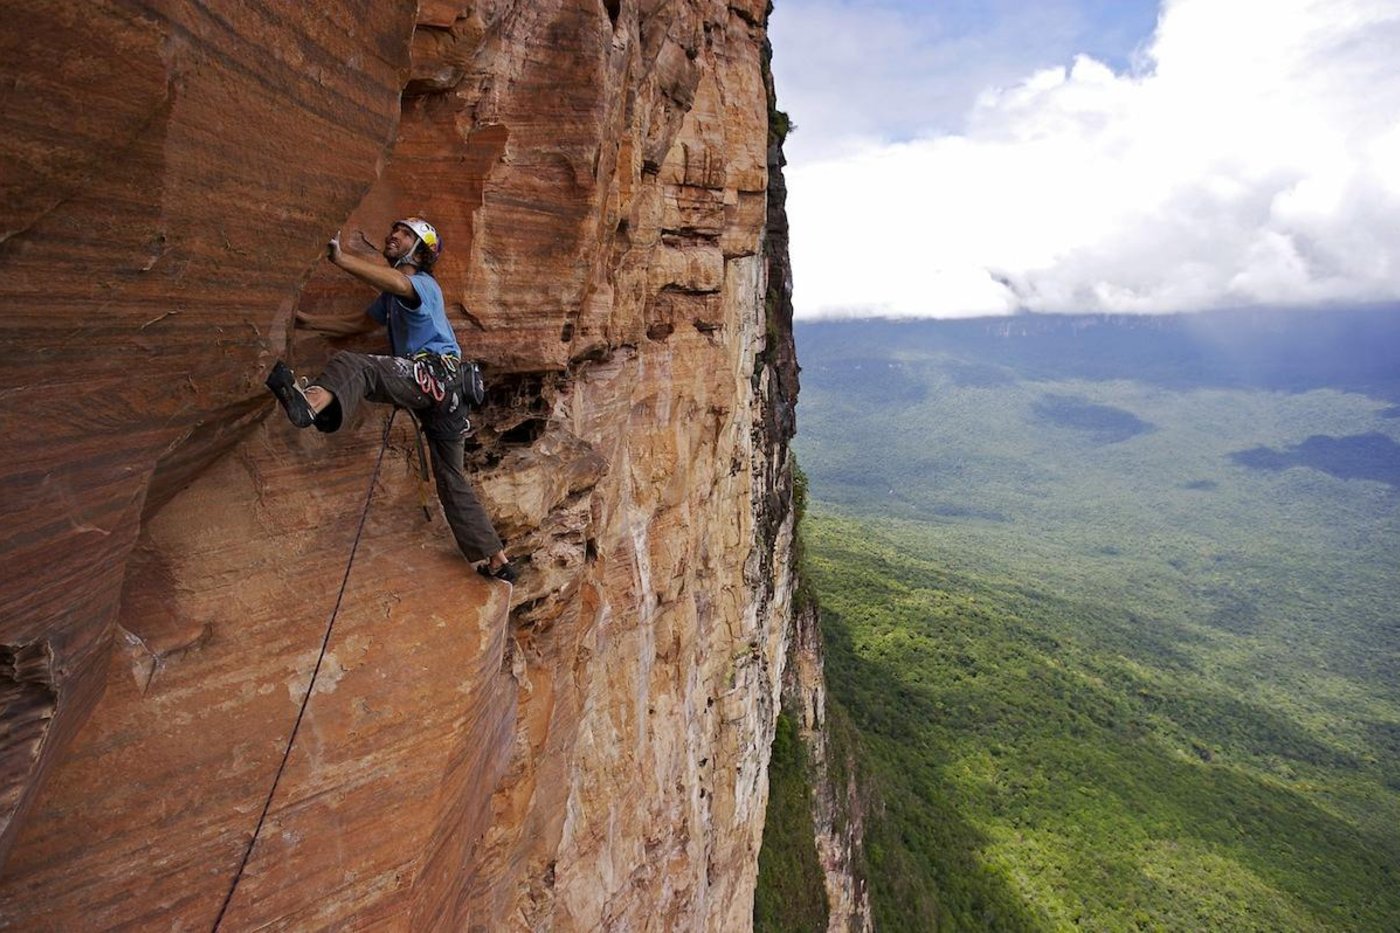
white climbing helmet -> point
(427, 234)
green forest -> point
(1117, 646)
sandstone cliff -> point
(585, 752)
(837, 806)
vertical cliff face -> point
(837, 813)
(168, 171)
(837, 806)
(585, 751)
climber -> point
(425, 375)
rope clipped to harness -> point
(311, 685)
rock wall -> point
(838, 808)
(586, 751)
(169, 171)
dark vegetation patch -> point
(1232, 611)
(1104, 424)
(791, 891)
(855, 476)
(1385, 737)
(1372, 456)
(922, 854)
(1201, 485)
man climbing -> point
(424, 375)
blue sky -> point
(956, 158)
(899, 69)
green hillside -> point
(1122, 652)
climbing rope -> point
(305, 700)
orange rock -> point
(591, 754)
(171, 172)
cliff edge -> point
(587, 751)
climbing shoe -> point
(284, 385)
(504, 572)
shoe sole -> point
(283, 385)
(508, 576)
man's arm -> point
(336, 326)
(372, 273)
(340, 326)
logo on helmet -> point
(426, 233)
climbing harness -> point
(311, 685)
(453, 385)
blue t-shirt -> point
(412, 330)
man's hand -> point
(374, 273)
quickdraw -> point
(428, 384)
(434, 374)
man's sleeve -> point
(376, 310)
(420, 293)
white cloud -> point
(856, 73)
(1253, 159)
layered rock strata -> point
(170, 169)
(587, 751)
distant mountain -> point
(1287, 350)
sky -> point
(956, 158)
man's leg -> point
(350, 378)
(470, 525)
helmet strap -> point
(409, 257)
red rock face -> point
(170, 168)
(584, 752)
